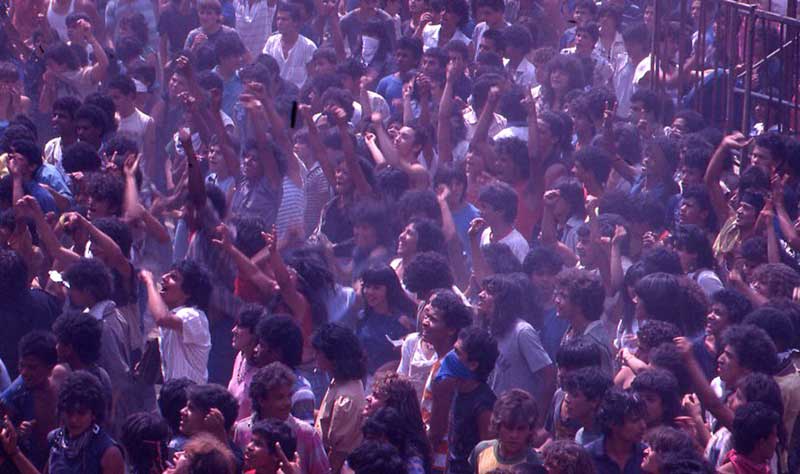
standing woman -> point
(564, 74)
(339, 419)
(244, 341)
(388, 313)
(420, 235)
(80, 445)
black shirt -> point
(605, 465)
(464, 432)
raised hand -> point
(131, 164)
(476, 227)
(223, 239)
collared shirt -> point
(525, 73)
(254, 23)
(626, 82)
(430, 36)
(616, 55)
(340, 416)
(231, 89)
(53, 177)
(184, 353)
(293, 65)
(605, 465)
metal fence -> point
(741, 68)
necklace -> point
(242, 370)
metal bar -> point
(681, 52)
(759, 95)
(654, 46)
(744, 7)
(730, 81)
(748, 83)
(770, 55)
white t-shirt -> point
(134, 126)
(185, 353)
(293, 65)
(515, 241)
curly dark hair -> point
(280, 333)
(583, 289)
(210, 395)
(592, 382)
(692, 239)
(568, 457)
(665, 439)
(500, 258)
(662, 383)
(652, 333)
(375, 457)
(479, 346)
(667, 357)
(388, 424)
(752, 423)
(118, 230)
(617, 406)
(775, 323)
(578, 353)
(384, 275)
(455, 313)
(508, 307)
(737, 304)
(82, 390)
(92, 276)
(752, 347)
(267, 379)
(427, 271)
(196, 282)
(515, 407)
(82, 332)
(420, 203)
(144, 437)
(39, 344)
(341, 347)
(430, 237)
(777, 279)
(397, 391)
(171, 400)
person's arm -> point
(246, 266)
(48, 93)
(549, 234)
(443, 127)
(9, 439)
(448, 224)
(698, 380)
(415, 171)
(737, 141)
(288, 288)
(616, 272)
(486, 117)
(337, 37)
(163, 42)
(480, 268)
(112, 461)
(362, 186)
(374, 151)
(47, 238)
(317, 147)
(442, 392)
(113, 255)
(97, 72)
(256, 113)
(196, 184)
(15, 165)
(162, 316)
(408, 114)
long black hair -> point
(384, 275)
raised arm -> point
(162, 316)
(27, 206)
(319, 150)
(257, 114)
(339, 117)
(97, 72)
(736, 141)
(415, 171)
(486, 117)
(444, 129)
(247, 268)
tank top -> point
(88, 457)
(58, 21)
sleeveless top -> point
(58, 21)
(87, 458)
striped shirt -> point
(254, 23)
(292, 208)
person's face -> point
(694, 11)
(80, 298)
(745, 215)
(584, 42)
(192, 418)
(342, 182)
(651, 462)
(373, 404)
(417, 6)
(718, 319)
(216, 161)
(514, 438)
(251, 168)
(581, 16)
(559, 80)
(405, 59)
(637, 111)
(171, 290)
(505, 168)
(209, 19)
(374, 295)
(263, 354)
(86, 132)
(324, 67)
(490, 214)
(285, 23)
(486, 45)
(365, 236)
(258, 456)
(607, 22)
(583, 249)
(655, 165)
(486, 301)
(430, 66)
(763, 159)
(77, 420)
(565, 308)
(98, 208)
(728, 367)
(655, 407)
(34, 371)
(737, 400)
(407, 243)
(490, 16)
(404, 142)
(243, 339)
(177, 85)
(761, 288)
(277, 404)
(544, 283)
(577, 407)
(690, 176)
(62, 122)
(450, 19)
(434, 328)
(631, 430)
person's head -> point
(489, 11)
(60, 58)
(123, 92)
(104, 196)
(261, 454)
(688, 121)
(563, 74)
(420, 235)
(279, 340)
(426, 272)
(393, 390)
(91, 124)
(380, 287)
(658, 388)
(210, 15)
(499, 303)
(271, 391)
(584, 12)
(693, 247)
(693, 166)
(622, 416)
(419, 204)
(370, 224)
(200, 400)
(81, 403)
(81, 157)
(205, 454)
(244, 336)
(408, 53)
(586, 36)
(63, 115)
(769, 152)
(645, 105)
(455, 14)
(728, 307)
(28, 155)
(745, 349)
(434, 62)
(37, 357)
(755, 431)
(542, 264)
(575, 354)
(144, 437)
(443, 317)
(653, 292)
(636, 38)
(660, 159)
(695, 206)
(229, 50)
(513, 420)
(187, 284)
(775, 280)
(754, 253)
(498, 204)
(579, 295)
(78, 337)
(662, 441)
(171, 400)
(567, 457)
(288, 18)
(476, 349)
(512, 164)
(592, 165)
(584, 389)
(90, 282)
(517, 41)
(492, 41)
(376, 457)
(651, 334)
(776, 323)
(339, 352)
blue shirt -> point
(231, 89)
(52, 176)
(461, 218)
(605, 465)
(391, 88)
(42, 196)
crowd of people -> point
(390, 237)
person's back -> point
(468, 408)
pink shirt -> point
(239, 386)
